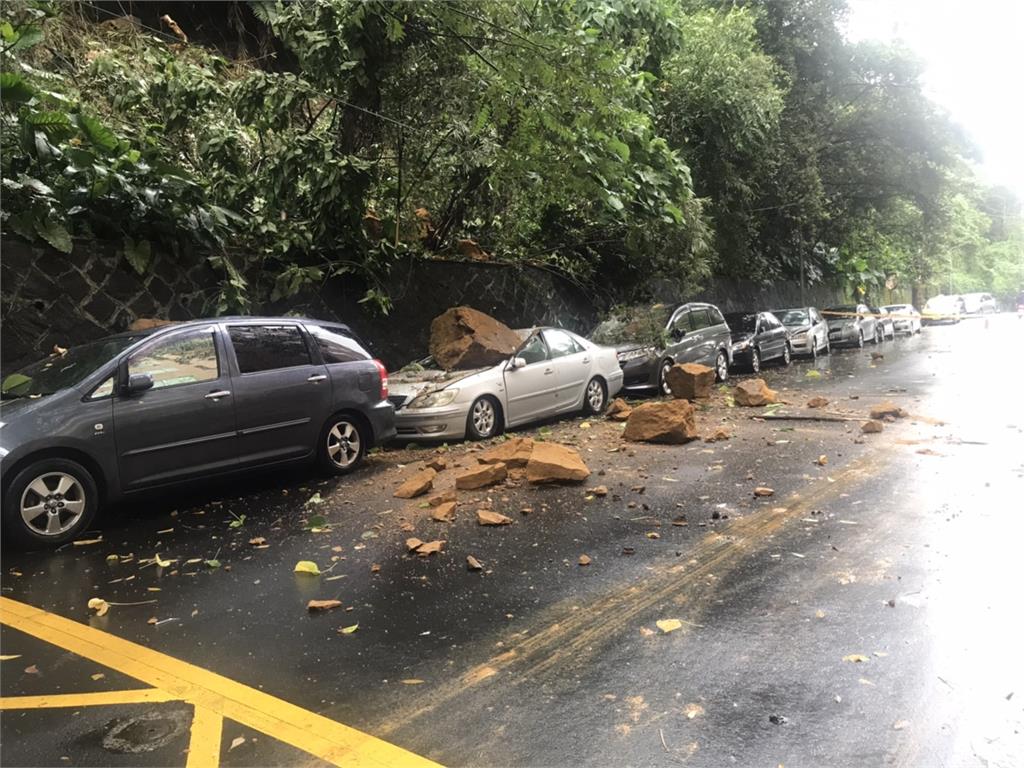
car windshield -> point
(63, 369)
(640, 324)
(794, 317)
(741, 321)
(897, 307)
(844, 309)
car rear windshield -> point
(639, 324)
(741, 321)
(63, 369)
(794, 317)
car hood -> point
(410, 383)
(742, 336)
(630, 346)
(22, 407)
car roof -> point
(198, 323)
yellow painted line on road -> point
(97, 699)
(319, 736)
(204, 744)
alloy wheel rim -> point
(755, 362)
(595, 395)
(665, 389)
(343, 444)
(483, 417)
(53, 503)
(723, 367)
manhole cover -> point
(146, 732)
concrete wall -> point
(51, 298)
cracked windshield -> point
(512, 383)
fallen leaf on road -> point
(257, 541)
(668, 625)
(812, 374)
(151, 620)
(584, 560)
(97, 676)
(213, 563)
(348, 630)
(762, 490)
(486, 517)
(413, 681)
(822, 460)
(819, 614)
(857, 658)
(160, 562)
(98, 605)
(315, 499)
(646, 632)
(375, 568)
(87, 542)
(322, 605)
(693, 710)
(236, 742)
(473, 563)
(10, 657)
(307, 567)
(653, 535)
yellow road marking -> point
(204, 744)
(98, 699)
(319, 736)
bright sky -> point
(974, 54)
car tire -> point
(787, 355)
(755, 361)
(860, 339)
(484, 419)
(721, 367)
(344, 441)
(68, 505)
(666, 365)
(595, 397)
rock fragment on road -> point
(690, 381)
(668, 421)
(871, 427)
(480, 476)
(417, 484)
(514, 453)
(554, 463)
(618, 410)
(753, 393)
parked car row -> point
(141, 410)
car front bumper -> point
(445, 423)
(803, 344)
(640, 373)
(846, 334)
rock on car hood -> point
(428, 378)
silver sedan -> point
(553, 372)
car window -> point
(335, 345)
(682, 321)
(560, 344)
(268, 347)
(716, 316)
(105, 389)
(184, 358)
(699, 319)
(533, 351)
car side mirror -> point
(677, 334)
(140, 382)
(518, 362)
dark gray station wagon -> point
(140, 410)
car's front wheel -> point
(663, 387)
(755, 361)
(721, 367)
(48, 503)
(787, 355)
(595, 397)
(860, 339)
(484, 419)
(343, 444)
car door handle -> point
(317, 377)
(548, 371)
(586, 360)
(215, 396)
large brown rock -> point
(464, 338)
(417, 484)
(554, 463)
(668, 421)
(618, 410)
(690, 381)
(146, 323)
(480, 476)
(512, 453)
(753, 392)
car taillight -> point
(383, 379)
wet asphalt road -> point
(902, 551)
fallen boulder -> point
(480, 476)
(618, 410)
(554, 463)
(512, 453)
(147, 323)
(668, 421)
(753, 393)
(887, 411)
(463, 338)
(690, 381)
(417, 485)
